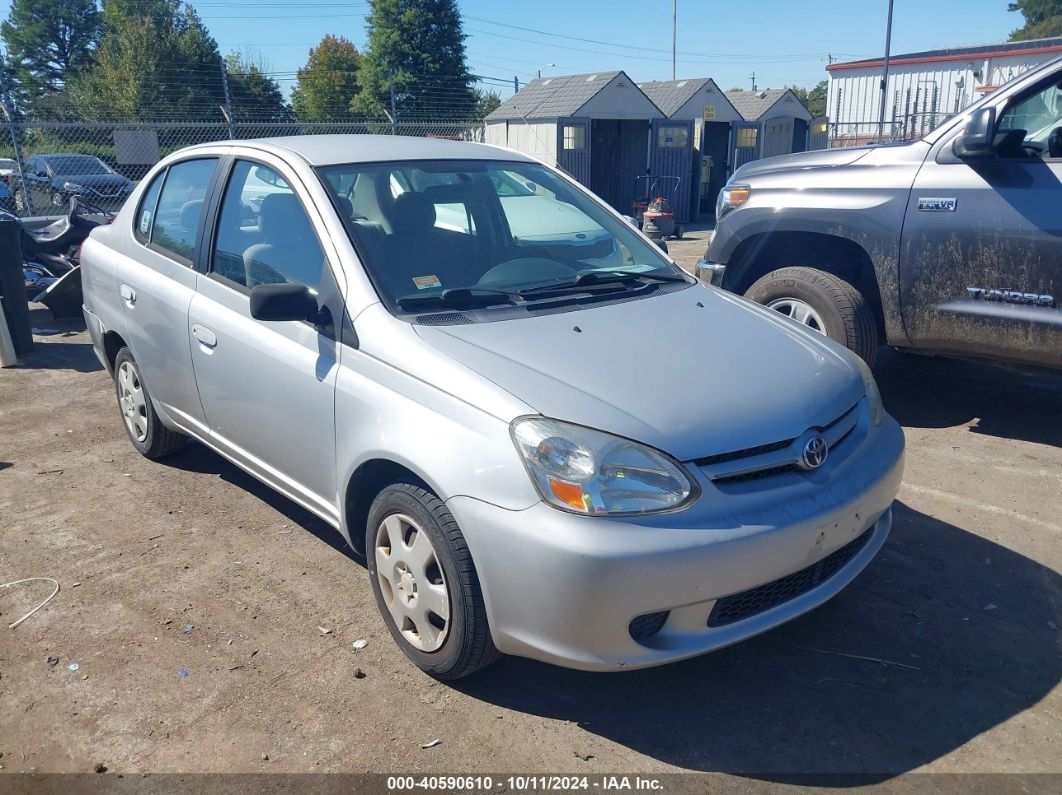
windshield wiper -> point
(461, 298)
(590, 278)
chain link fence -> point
(44, 164)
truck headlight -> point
(585, 471)
(73, 187)
(730, 198)
(877, 408)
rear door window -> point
(180, 208)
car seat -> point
(416, 248)
(288, 245)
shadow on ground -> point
(770, 709)
(51, 351)
(931, 392)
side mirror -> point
(976, 140)
(661, 243)
(283, 302)
(41, 173)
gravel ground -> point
(212, 621)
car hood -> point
(694, 372)
(92, 180)
(823, 158)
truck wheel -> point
(822, 301)
(426, 584)
(149, 436)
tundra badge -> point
(936, 205)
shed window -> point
(574, 136)
(673, 137)
(746, 137)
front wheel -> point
(425, 583)
(149, 436)
(823, 302)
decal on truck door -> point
(936, 205)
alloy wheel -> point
(800, 311)
(133, 402)
(412, 582)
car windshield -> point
(77, 166)
(485, 231)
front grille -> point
(763, 473)
(648, 625)
(743, 605)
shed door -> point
(746, 142)
(817, 136)
(777, 136)
(671, 155)
(573, 148)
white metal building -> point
(924, 87)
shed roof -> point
(552, 97)
(670, 95)
(753, 104)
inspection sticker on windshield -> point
(936, 205)
(426, 282)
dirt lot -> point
(189, 565)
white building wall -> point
(919, 95)
(536, 138)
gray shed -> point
(601, 129)
(775, 123)
(701, 101)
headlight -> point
(877, 408)
(70, 187)
(586, 471)
(730, 198)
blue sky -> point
(782, 41)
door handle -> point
(204, 335)
(127, 293)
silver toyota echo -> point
(545, 439)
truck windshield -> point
(481, 228)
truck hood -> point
(694, 372)
(823, 158)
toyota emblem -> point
(815, 451)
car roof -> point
(324, 150)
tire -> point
(58, 200)
(149, 436)
(462, 645)
(843, 313)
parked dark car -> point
(51, 180)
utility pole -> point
(753, 78)
(885, 75)
(674, 34)
(516, 84)
(12, 123)
(394, 112)
(228, 98)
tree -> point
(328, 83)
(814, 100)
(255, 95)
(48, 43)
(417, 45)
(1043, 19)
(156, 61)
(486, 102)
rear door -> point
(268, 388)
(981, 255)
(156, 281)
(573, 148)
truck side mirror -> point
(976, 140)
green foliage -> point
(814, 100)
(155, 62)
(255, 95)
(1043, 19)
(48, 42)
(328, 83)
(486, 102)
(419, 44)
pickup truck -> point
(949, 245)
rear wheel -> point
(149, 436)
(426, 584)
(823, 302)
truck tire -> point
(149, 436)
(824, 302)
(420, 569)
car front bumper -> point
(710, 272)
(564, 589)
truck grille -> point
(748, 603)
